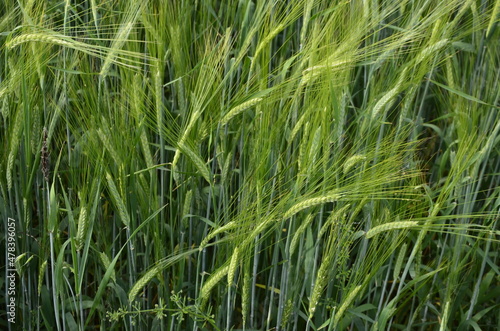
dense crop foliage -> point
(251, 164)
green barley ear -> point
(198, 162)
(493, 19)
(187, 206)
(300, 123)
(307, 15)
(39, 37)
(45, 156)
(346, 303)
(193, 119)
(4, 109)
(432, 50)
(53, 211)
(118, 42)
(233, 265)
(225, 168)
(245, 292)
(239, 109)
(142, 282)
(105, 263)
(132, 13)
(333, 219)
(41, 274)
(211, 235)
(82, 227)
(399, 262)
(36, 129)
(268, 38)
(390, 226)
(301, 160)
(445, 316)
(332, 197)
(155, 270)
(389, 95)
(15, 139)
(315, 145)
(20, 263)
(320, 282)
(211, 282)
(117, 199)
(287, 313)
(104, 133)
(298, 234)
(352, 161)
(312, 72)
(195, 115)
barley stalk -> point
(27, 214)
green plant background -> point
(257, 165)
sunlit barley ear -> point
(45, 155)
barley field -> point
(250, 165)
